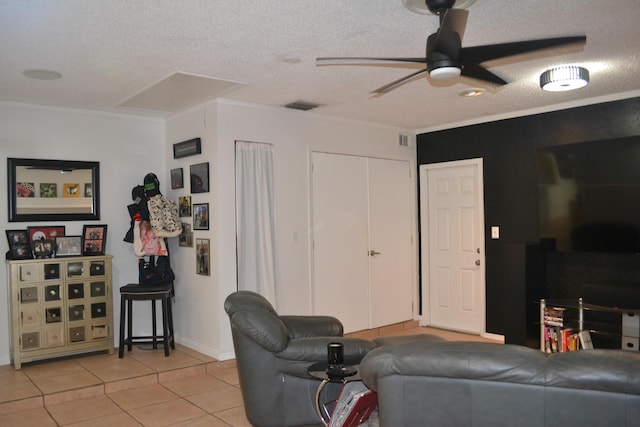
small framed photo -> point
(203, 257)
(48, 190)
(185, 206)
(71, 190)
(45, 233)
(201, 216)
(68, 246)
(94, 239)
(187, 148)
(199, 177)
(176, 179)
(25, 189)
(186, 237)
(43, 248)
(19, 246)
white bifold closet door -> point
(362, 240)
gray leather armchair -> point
(273, 354)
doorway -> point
(452, 245)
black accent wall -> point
(516, 272)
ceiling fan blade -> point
(479, 54)
(394, 84)
(478, 72)
(364, 61)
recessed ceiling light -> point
(42, 74)
(472, 92)
(565, 77)
(420, 6)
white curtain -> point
(256, 219)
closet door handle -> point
(373, 253)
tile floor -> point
(142, 389)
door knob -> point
(373, 253)
(477, 262)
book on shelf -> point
(559, 340)
(585, 340)
(554, 316)
(355, 403)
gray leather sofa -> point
(484, 384)
(273, 354)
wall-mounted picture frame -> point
(199, 176)
(201, 216)
(203, 257)
(45, 233)
(31, 184)
(19, 246)
(43, 248)
(68, 246)
(185, 238)
(185, 206)
(94, 239)
(176, 178)
(187, 148)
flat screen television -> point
(589, 195)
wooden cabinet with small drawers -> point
(60, 306)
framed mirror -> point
(53, 190)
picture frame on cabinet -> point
(46, 233)
(68, 246)
(94, 239)
(19, 247)
(43, 248)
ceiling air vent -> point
(302, 106)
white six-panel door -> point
(362, 240)
(452, 224)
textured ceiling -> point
(110, 51)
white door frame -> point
(424, 241)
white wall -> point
(201, 321)
(127, 148)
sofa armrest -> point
(315, 349)
(302, 353)
(312, 326)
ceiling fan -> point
(446, 59)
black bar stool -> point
(135, 292)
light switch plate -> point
(495, 232)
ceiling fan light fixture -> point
(445, 73)
(563, 78)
